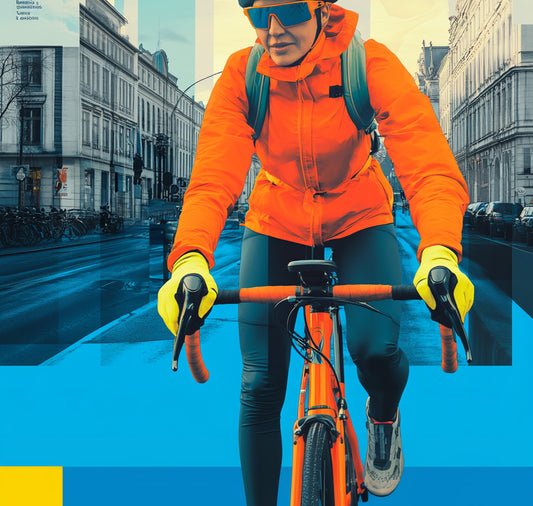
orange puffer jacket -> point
(317, 181)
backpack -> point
(354, 89)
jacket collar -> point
(331, 42)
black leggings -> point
(368, 256)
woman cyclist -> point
(318, 187)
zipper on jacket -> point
(306, 185)
(300, 131)
(316, 217)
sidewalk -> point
(137, 336)
(91, 238)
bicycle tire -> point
(58, 230)
(78, 227)
(24, 235)
(317, 471)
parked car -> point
(479, 216)
(470, 212)
(500, 218)
(523, 226)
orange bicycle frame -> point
(322, 388)
(320, 395)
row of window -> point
(523, 165)
(171, 93)
(489, 56)
(182, 165)
(99, 133)
(493, 112)
(152, 81)
(152, 120)
(100, 40)
(472, 22)
(101, 82)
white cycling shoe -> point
(384, 456)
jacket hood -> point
(332, 41)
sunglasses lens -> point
(287, 14)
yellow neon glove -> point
(440, 256)
(167, 307)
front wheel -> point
(317, 472)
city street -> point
(55, 297)
(110, 398)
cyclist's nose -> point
(275, 27)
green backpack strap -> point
(355, 87)
(257, 87)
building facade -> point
(39, 118)
(169, 124)
(488, 96)
(83, 113)
(429, 63)
(107, 83)
(445, 97)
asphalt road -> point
(54, 297)
(501, 272)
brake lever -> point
(190, 292)
(440, 281)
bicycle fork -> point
(321, 400)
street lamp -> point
(189, 87)
(161, 145)
(175, 157)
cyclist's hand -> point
(440, 256)
(189, 263)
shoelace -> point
(382, 442)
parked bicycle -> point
(29, 226)
(109, 221)
(326, 468)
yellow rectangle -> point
(31, 486)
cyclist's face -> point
(287, 45)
